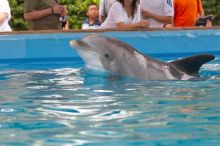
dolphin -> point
(122, 59)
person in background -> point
(44, 14)
(104, 8)
(124, 14)
(5, 16)
(159, 13)
(186, 12)
(92, 21)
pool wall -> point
(56, 45)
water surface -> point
(60, 103)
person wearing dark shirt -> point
(44, 14)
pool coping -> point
(107, 30)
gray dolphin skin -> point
(122, 59)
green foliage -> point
(212, 7)
(17, 21)
(77, 10)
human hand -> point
(60, 10)
(208, 23)
(143, 24)
(168, 25)
(65, 11)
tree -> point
(212, 7)
(17, 21)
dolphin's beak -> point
(78, 44)
(74, 43)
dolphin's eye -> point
(106, 55)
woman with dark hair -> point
(124, 14)
(104, 7)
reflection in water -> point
(70, 106)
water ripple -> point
(66, 106)
(7, 110)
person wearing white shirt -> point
(159, 13)
(104, 8)
(5, 16)
(124, 14)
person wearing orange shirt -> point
(186, 12)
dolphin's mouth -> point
(78, 43)
(87, 53)
(74, 43)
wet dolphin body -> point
(122, 59)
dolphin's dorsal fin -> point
(191, 65)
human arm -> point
(202, 14)
(101, 18)
(162, 19)
(101, 11)
(34, 15)
(200, 9)
(38, 14)
(3, 16)
(4, 11)
(140, 24)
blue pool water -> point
(60, 103)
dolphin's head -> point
(100, 51)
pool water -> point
(61, 103)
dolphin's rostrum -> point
(122, 59)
